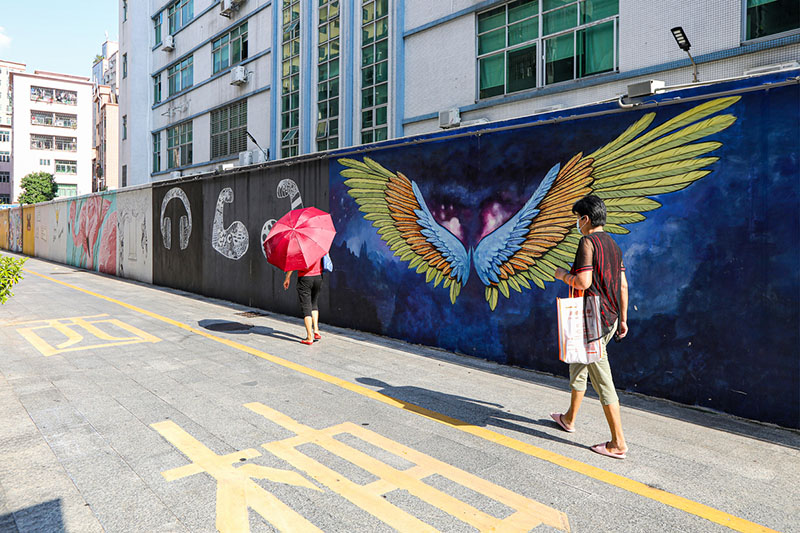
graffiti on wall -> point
(134, 258)
(233, 241)
(4, 229)
(92, 233)
(184, 223)
(541, 236)
(286, 189)
(15, 229)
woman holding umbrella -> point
(309, 283)
(299, 241)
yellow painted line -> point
(678, 502)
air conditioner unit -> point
(226, 8)
(258, 156)
(777, 67)
(175, 174)
(245, 158)
(449, 118)
(645, 88)
(169, 43)
(238, 75)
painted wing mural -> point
(541, 236)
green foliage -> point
(38, 187)
(10, 273)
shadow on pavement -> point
(459, 410)
(239, 328)
(45, 516)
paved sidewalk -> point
(142, 409)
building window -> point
(179, 145)
(66, 167)
(40, 118)
(63, 120)
(374, 70)
(768, 17)
(59, 96)
(5, 199)
(229, 49)
(66, 190)
(181, 76)
(5, 177)
(180, 14)
(124, 127)
(229, 130)
(290, 79)
(157, 152)
(124, 10)
(5, 157)
(124, 176)
(5, 136)
(575, 38)
(328, 76)
(157, 27)
(44, 162)
(156, 88)
(67, 144)
(41, 142)
(124, 66)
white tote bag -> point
(572, 346)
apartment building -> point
(104, 68)
(303, 76)
(52, 122)
(105, 137)
(6, 107)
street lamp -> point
(684, 44)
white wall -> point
(134, 234)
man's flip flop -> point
(557, 418)
(602, 450)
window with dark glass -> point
(770, 17)
(229, 49)
(229, 130)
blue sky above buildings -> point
(57, 36)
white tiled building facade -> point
(6, 107)
(52, 122)
(323, 74)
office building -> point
(6, 107)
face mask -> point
(578, 224)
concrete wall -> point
(4, 229)
(15, 229)
(51, 230)
(92, 233)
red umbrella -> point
(299, 239)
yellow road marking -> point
(529, 513)
(635, 487)
(236, 490)
(64, 326)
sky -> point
(57, 35)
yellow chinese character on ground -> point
(65, 328)
(236, 490)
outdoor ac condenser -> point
(238, 75)
(449, 118)
(169, 43)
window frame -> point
(158, 21)
(180, 152)
(327, 132)
(768, 37)
(69, 164)
(226, 135)
(124, 127)
(157, 152)
(157, 93)
(290, 78)
(369, 134)
(540, 42)
(177, 15)
(177, 72)
(225, 43)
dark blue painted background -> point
(714, 311)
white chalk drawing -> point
(58, 225)
(233, 241)
(132, 245)
(286, 189)
(184, 224)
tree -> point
(38, 187)
(10, 273)
(98, 57)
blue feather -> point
(445, 242)
(497, 247)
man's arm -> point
(623, 306)
(286, 280)
(582, 280)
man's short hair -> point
(593, 207)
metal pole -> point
(693, 65)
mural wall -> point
(452, 241)
(135, 235)
(15, 229)
(4, 229)
(702, 198)
(92, 233)
(28, 229)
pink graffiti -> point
(86, 231)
